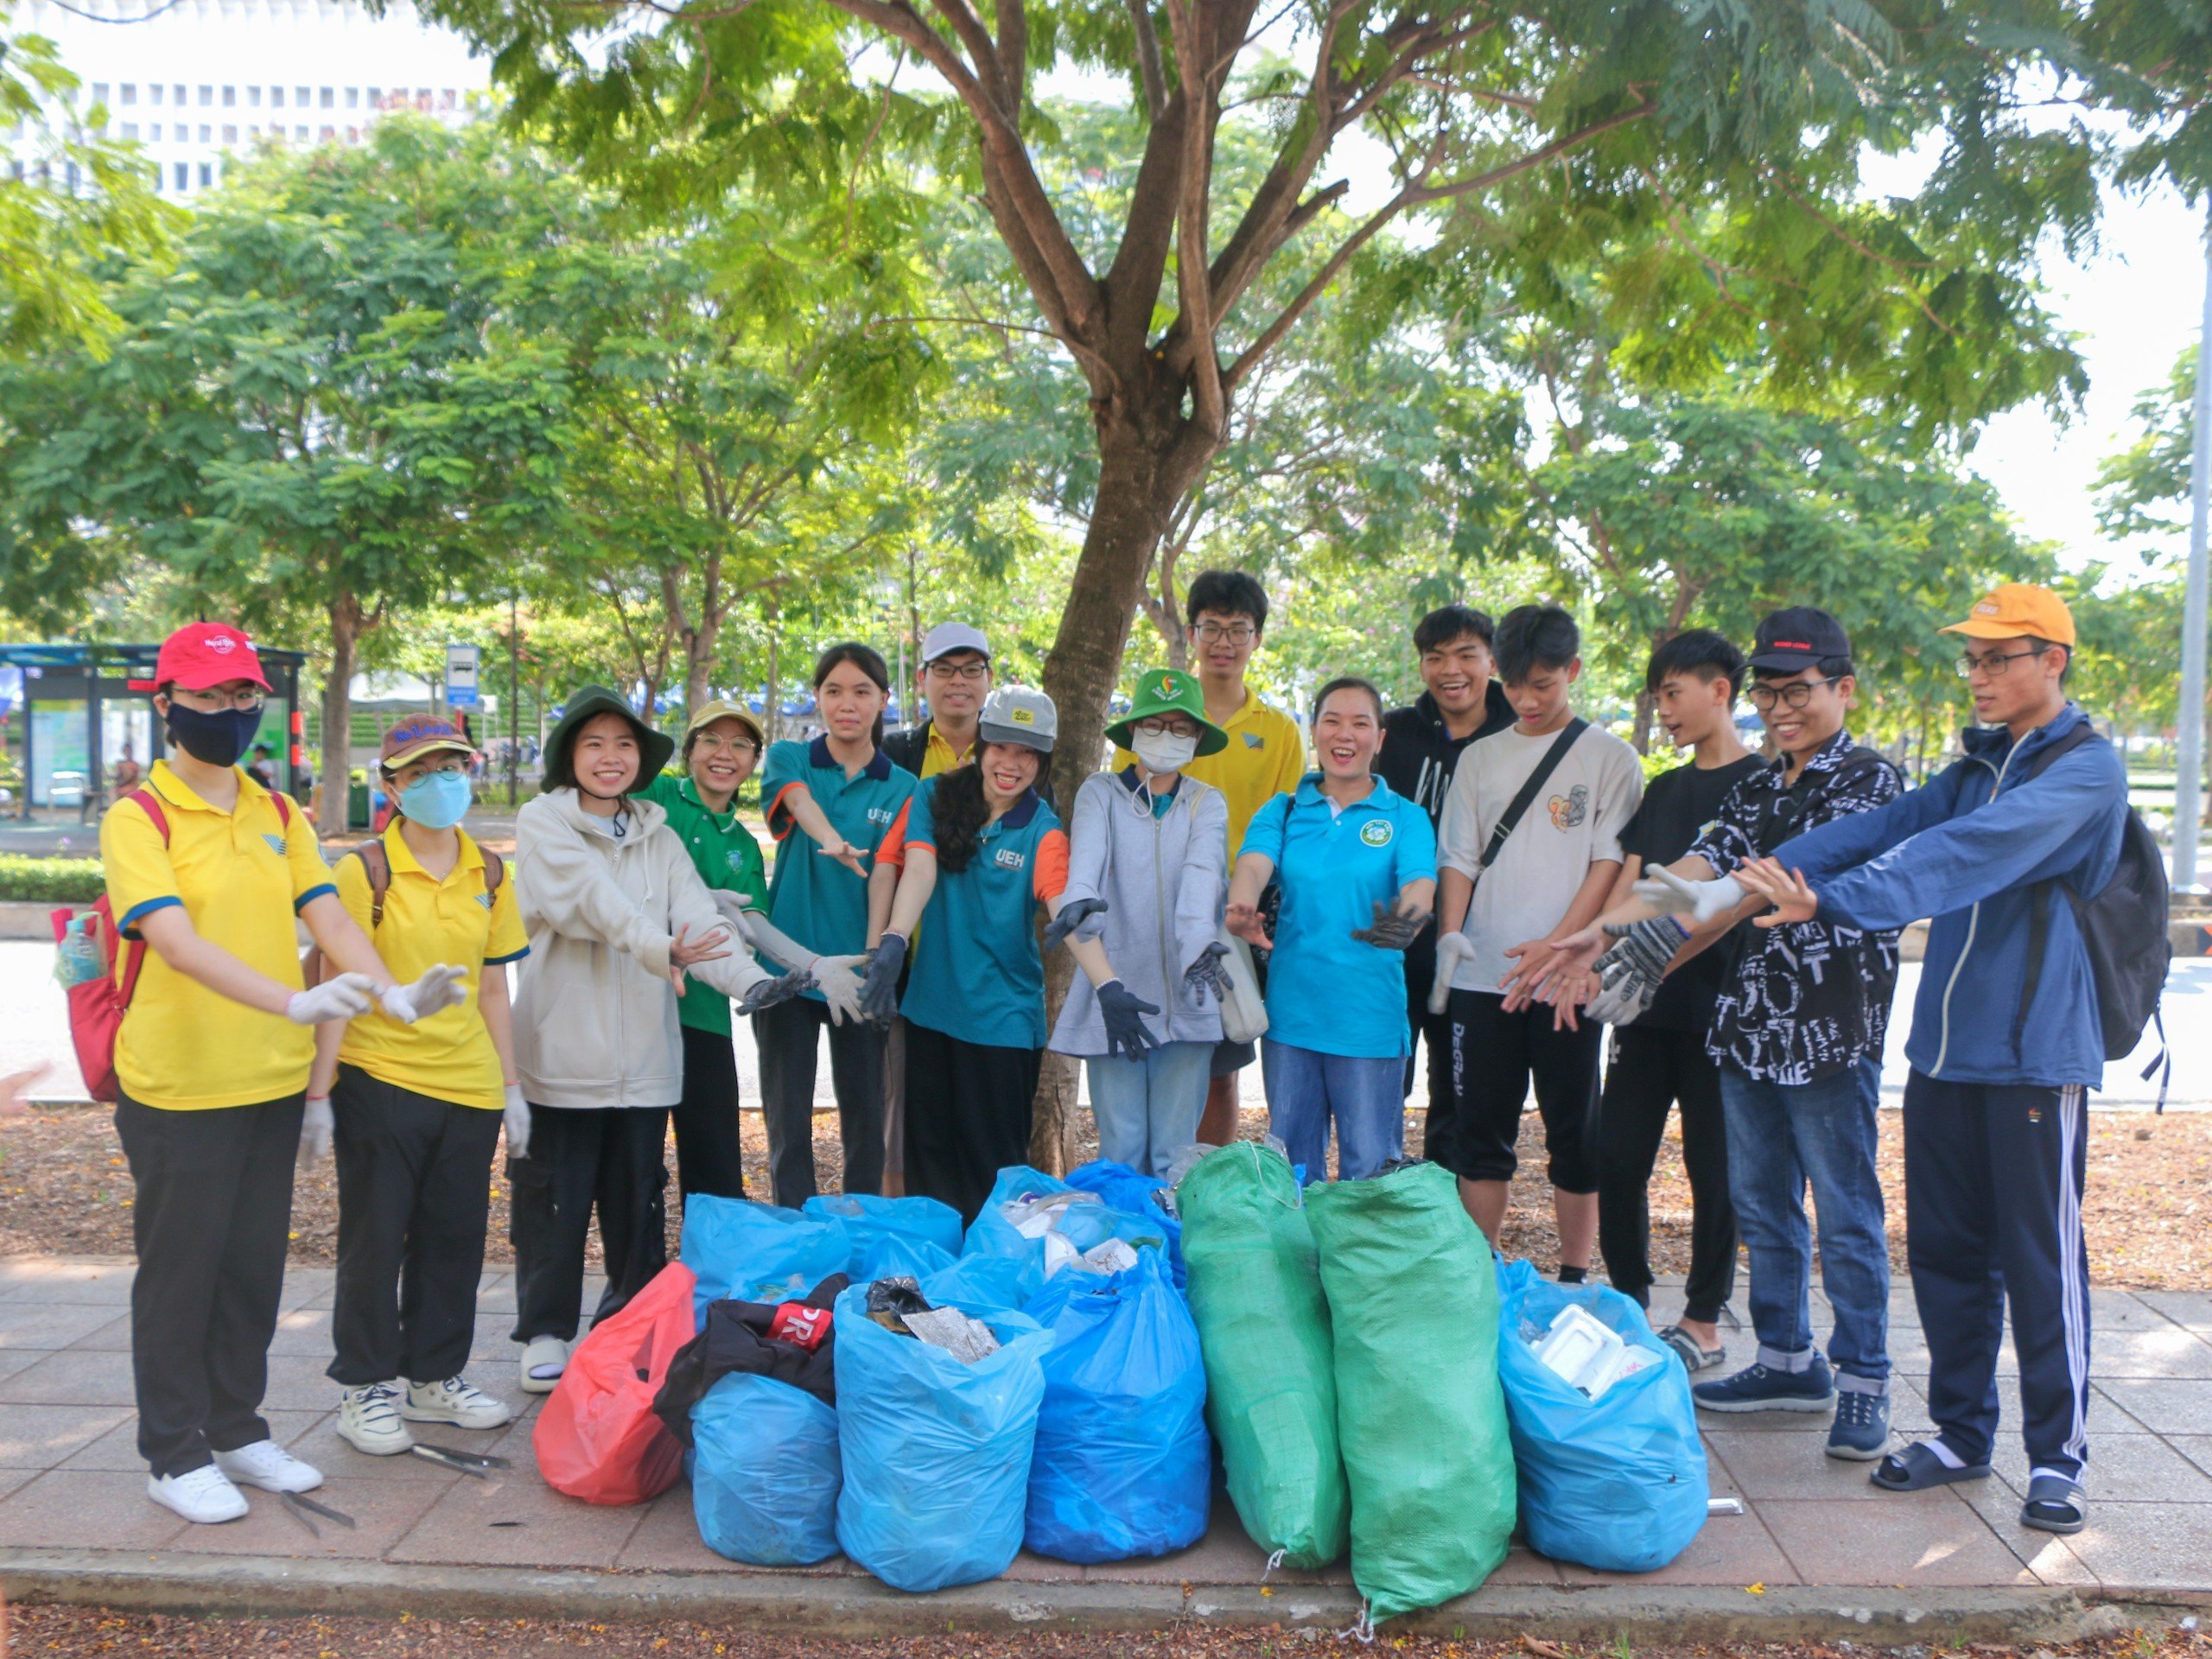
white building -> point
(199, 81)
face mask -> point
(437, 801)
(218, 739)
(1165, 752)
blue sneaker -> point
(1758, 1387)
(1861, 1430)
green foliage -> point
(2143, 490)
(50, 880)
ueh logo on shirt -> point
(1376, 832)
(880, 814)
(1011, 859)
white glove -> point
(341, 998)
(517, 1118)
(732, 904)
(1699, 901)
(315, 1125)
(839, 981)
(1451, 950)
(442, 987)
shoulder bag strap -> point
(1519, 805)
(2039, 897)
(134, 951)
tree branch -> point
(1148, 69)
(1194, 282)
(1014, 56)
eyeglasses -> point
(1796, 694)
(1994, 665)
(249, 701)
(1157, 727)
(1236, 633)
(961, 670)
(415, 774)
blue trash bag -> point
(1124, 1466)
(870, 1220)
(764, 1472)
(1135, 1194)
(1084, 1225)
(892, 1255)
(935, 1453)
(1619, 1482)
(756, 1252)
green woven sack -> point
(1263, 1327)
(1420, 1412)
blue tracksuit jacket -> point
(1967, 849)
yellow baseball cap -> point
(724, 709)
(2017, 609)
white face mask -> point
(1166, 752)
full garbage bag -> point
(766, 1473)
(1413, 1310)
(935, 1453)
(1135, 1194)
(757, 1252)
(1263, 1327)
(597, 1439)
(1617, 1482)
(902, 1225)
(1124, 1466)
(1057, 1235)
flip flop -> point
(1695, 1358)
(2055, 1504)
(1915, 1469)
(544, 1359)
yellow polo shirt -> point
(241, 876)
(1266, 757)
(940, 756)
(448, 1056)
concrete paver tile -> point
(74, 1377)
(11, 1478)
(2191, 1309)
(83, 1284)
(1026, 1568)
(383, 1512)
(1764, 1466)
(1728, 1549)
(2161, 1350)
(2044, 1554)
(316, 1440)
(116, 1450)
(515, 1519)
(2112, 1309)
(297, 1382)
(2145, 1545)
(112, 1337)
(1523, 1564)
(49, 1324)
(302, 1333)
(667, 1541)
(308, 1288)
(87, 1509)
(18, 1359)
(1905, 1541)
(2197, 1448)
(2124, 1468)
(40, 1436)
(1225, 1556)
(2163, 1405)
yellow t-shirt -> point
(1266, 757)
(940, 756)
(448, 1056)
(241, 876)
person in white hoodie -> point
(617, 918)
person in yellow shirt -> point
(1266, 757)
(207, 869)
(416, 1110)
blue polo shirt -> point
(817, 900)
(1327, 991)
(977, 974)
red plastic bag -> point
(597, 1438)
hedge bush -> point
(51, 881)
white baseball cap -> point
(949, 637)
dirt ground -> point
(64, 1189)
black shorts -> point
(1495, 1058)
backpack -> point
(377, 863)
(2123, 927)
(97, 1005)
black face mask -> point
(218, 739)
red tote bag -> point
(597, 1438)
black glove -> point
(1392, 930)
(1208, 973)
(1629, 974)
(1072, 915)
(769, 992)
(1125, 1031)
(1649, 944)
(879, 990)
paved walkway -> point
(72, 1487)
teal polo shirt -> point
(727, 859)
(817, 900)
(977, 973)
(1327, 991)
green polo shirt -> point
(727, 858)
(817, 900)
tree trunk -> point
(332, 787)
(698, 664)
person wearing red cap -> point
(209, 869)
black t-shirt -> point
(1677, 806)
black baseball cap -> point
(1798, 638)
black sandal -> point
(1915, 1469)
(2055, 1504)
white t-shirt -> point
(1574, 821)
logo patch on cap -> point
(1022, 716)
(221, 644)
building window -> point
(207, 133)
(300, 99)
(253, 97)
(154, 92)
(376, 98)
(353, 97)
(206, 96)
(229, 97)
(329, 98)
(300, 134)
(129, 91)
(99, 91)
(230, 135)
(275, 98)
(182, 175)
(206, 174)
(448, 99)
(328, 134)
(130, 132)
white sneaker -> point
(205, 1495)
(543, 1361)
(456, 1400)
(270, 1466)
(368, 1421)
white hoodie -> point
(596, 1015)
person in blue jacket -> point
(1994, 1106)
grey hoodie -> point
(596, 1015)
(1164, 881)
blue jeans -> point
(1366, 1099)
(1780, 1137)
(1147, 1107)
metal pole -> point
(514, 703)
(2188, 748)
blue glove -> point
(1208, 973)
(777, 988)
(1073, 914)
(879, 989)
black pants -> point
(414, 1195)
(212, 1210)
(1495, 1056)
(612, 1157)
(968, 1116)
(788, 1035)
(1992, 1196)
(1650, 1070)
(710, 1144)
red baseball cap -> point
(203, 654)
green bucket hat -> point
(654, 748)
(1169, 691)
